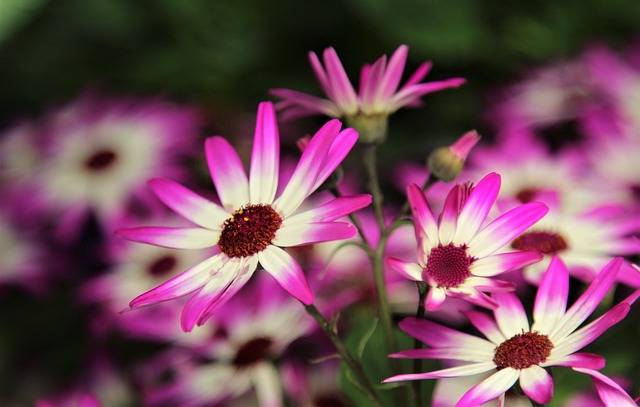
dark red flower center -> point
(542, 242)
(100, 160)
(527, 195)
(162, 266)
(252, 351)
(249, 231)
(523, 350)
(448, 265)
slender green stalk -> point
(346, 356)
(378, 254)
(417, 344)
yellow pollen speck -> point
(246, 219)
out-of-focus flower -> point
(515, 351)
(456, 255)
(251, 225)
(378, 97)
(446, 163)
(95, 155)
(254, 328)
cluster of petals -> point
(460, 232)
(216, 279)
(554, 326)
(379, 92)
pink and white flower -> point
(514, 350)
(250, 225)
(378, 96)
(456, 255)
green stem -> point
(378, 254)
(346, 356)
(417, 344)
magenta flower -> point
(251, 225)
(455, 255)
(515, 351)
(379, 95)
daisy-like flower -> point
(455, 255)
(515, 351)
(251, 225)
(379, 96)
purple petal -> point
(422, 215)
(340, 147)
(505, 228)
(477, 207)
(411, 271)
(449, 216)
(490, 388)
(306, 173)
(486, 325)
(587, 334)
(173, 238)
(320, 73)
(588, 301)
(265, 157)
(218, 282)
(393, 74)
(332, 210)
(537, 384)
(188, 204)
(286, 272)
(340, 88)
(410, 94)
(582, 360)
(180, 285)
(510, 314)
(503, 262)
(449, 353)
(490, 284)
(419, 74)
(435, 298)
(370, 80)
(609, 391)
(465, 370)
(551, 299)
(227, 173)
(437, 335)
(297, 104)
(310, 233)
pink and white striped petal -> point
(392, 75)
(409, 95)
(506, 228)
(286, 272)
(489, 284)
(340, 89)
(490, 388)
(503, 262)
(173, 238)
(587, 302)
(330, 211)
(580, 360)
(551, 299)
(369, 79)
(465, 370)
(300, 104)
(188, 204)
(477, 207)
(537, 384)
(306, 172)
(422, 215)
(180, 285)
(510, 314)
(448, 353)
(437, 335)
(449, 216)
(216, 285)
(609, 391)
(340, 147)
(435, 298)
(265, 156)
(486, 325)
(227, 173)
(411, 271)
(299, 234)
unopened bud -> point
(372, 129)
(446, 163)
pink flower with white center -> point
(456, 255)
(378, 97)
(97, 153)
(251, 225)
(514, 351)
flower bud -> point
(446, 163)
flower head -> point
(514, 350)
(251, 224)
(378, 97)
(456, 254)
